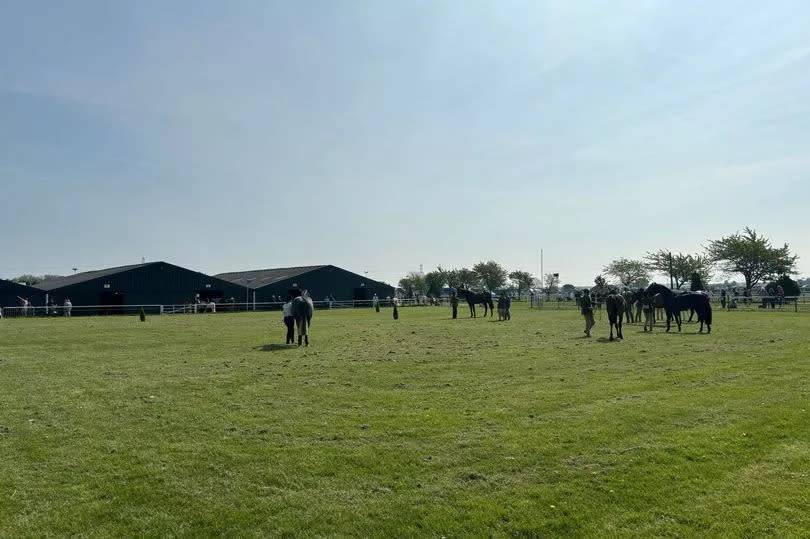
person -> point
(780, 291)
(24, 304)
(376, 302)
(587, 311)
(723, 298)
(68, 307)
(649, 312)
(288, 320)
(454, 303)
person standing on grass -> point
(375, 300)
(587, 311)
(288, 320)
(68, 307)
(454, 302)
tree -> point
(682, 268)
(413, 284)
(568, 288)
(752, 256)
(34, 279)
(434, 282)
(491, 274)
(600, 282)
(629, 273)
(522, 279)
(790, 286)
(696, 283)
(462, 278)
(550, 281)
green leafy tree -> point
(629, 273)
(790, 286)
(413, 284)
(466, 278)
(34, 279)
(567, 289)
(696, 283)
(600, 282)
(751, 255)
(550, 282)
(522, 280)
(682, 266)
(434, 282)
(491, 274)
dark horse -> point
(302, 309)
(675, 303)
(484, 298)
(615, 305)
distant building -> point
(151, 283)
(321, 281)
(10, 292)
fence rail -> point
(756, 303)
(187, 308)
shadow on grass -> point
(276, 347)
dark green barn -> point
(321, 281)
(152, 283)
(11, 292)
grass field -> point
(205, 425)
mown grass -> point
(205, 425)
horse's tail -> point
(708, 312)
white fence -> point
(188, 308)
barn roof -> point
(255, 279)
(53, 284)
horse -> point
(674, 304)
(484, 298)
(302, 309)
(615, 306)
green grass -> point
(203, 425)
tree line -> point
(746, 253)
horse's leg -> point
(619, 328)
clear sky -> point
(379, 136)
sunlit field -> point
(199, 425)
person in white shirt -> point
(68, 307)
(375, 301)
(288, 319)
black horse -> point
(675, 303)
(615, 305)
(484, 298)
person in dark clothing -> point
(454, 303)
(288, 320)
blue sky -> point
(379, 136)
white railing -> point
(190, 308)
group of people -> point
(51, 307)
(771, 297)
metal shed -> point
(151, 283)
(11, 292)
(321, 281)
